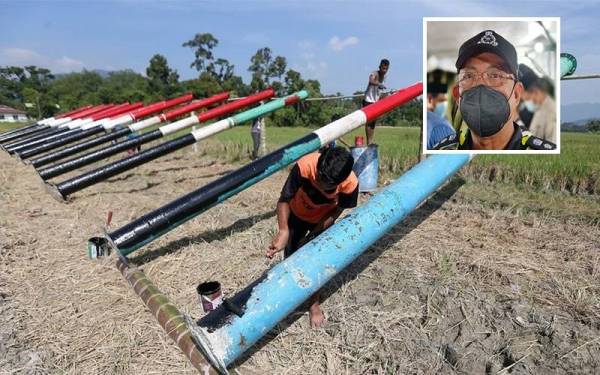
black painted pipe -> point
(27, 153)
(80, 161)
(158, 222)
(41, 139)
(35, 137)
(18, 133)
(74, 149)
(15, 130)
(80, 182)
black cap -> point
(488, 41)
(527, 76)
(438, 81)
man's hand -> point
(279, 242)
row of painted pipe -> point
(77, 183)
(104, 172)
(97, 155)
(70, 130)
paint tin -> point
(366, 166)
(209, 295)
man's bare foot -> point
(317, 319)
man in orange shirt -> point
(318, 189)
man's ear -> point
(518, 91)
(455, 93)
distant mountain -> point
(579, 111)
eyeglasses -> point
(492, 78)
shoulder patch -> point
(535, 143)
(448, 143)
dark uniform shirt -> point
(520, 140)
(307, 201)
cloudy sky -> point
(337, 42)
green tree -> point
(202, 44)
(77, 89)
(124, 85)
(163, 81)
(593, 126)
(221, 69)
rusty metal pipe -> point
(168, 316)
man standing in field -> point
(372, 93)
(317, 190)
(488, 94)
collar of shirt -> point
(513, 144)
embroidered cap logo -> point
(488, 38)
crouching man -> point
(318, 189)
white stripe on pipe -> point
(144, 124)
(93, 124)
(178, 125)
(79, 123)
(61, 121)
(207, 131)
(336, 129)
(73, 124)
(46, 121)
(123, 120)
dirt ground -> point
(456, 288)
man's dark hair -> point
(334, 165)
(385, 62)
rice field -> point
(576, 170)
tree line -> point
(40, 93)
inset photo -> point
(492, 85)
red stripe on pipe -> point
(193, 106)
(108, 111)
(292, 100)
(226, 108)
(91, 111)
(389, 102)
(74, 111)
(143, 112)
(128, 109)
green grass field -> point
(575, 170)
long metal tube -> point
(85, 133)
(93, 177)
(160, 221)
(25, 143)
(105, 152)
(168, 316)
(225, 336)
(42, 124)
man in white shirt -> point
(376, 80)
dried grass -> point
(455, 288)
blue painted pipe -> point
(287, 285)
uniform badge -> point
(488, 38)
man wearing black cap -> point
(488, 94)
(438, 127)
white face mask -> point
(440, 108)
(531, 106)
